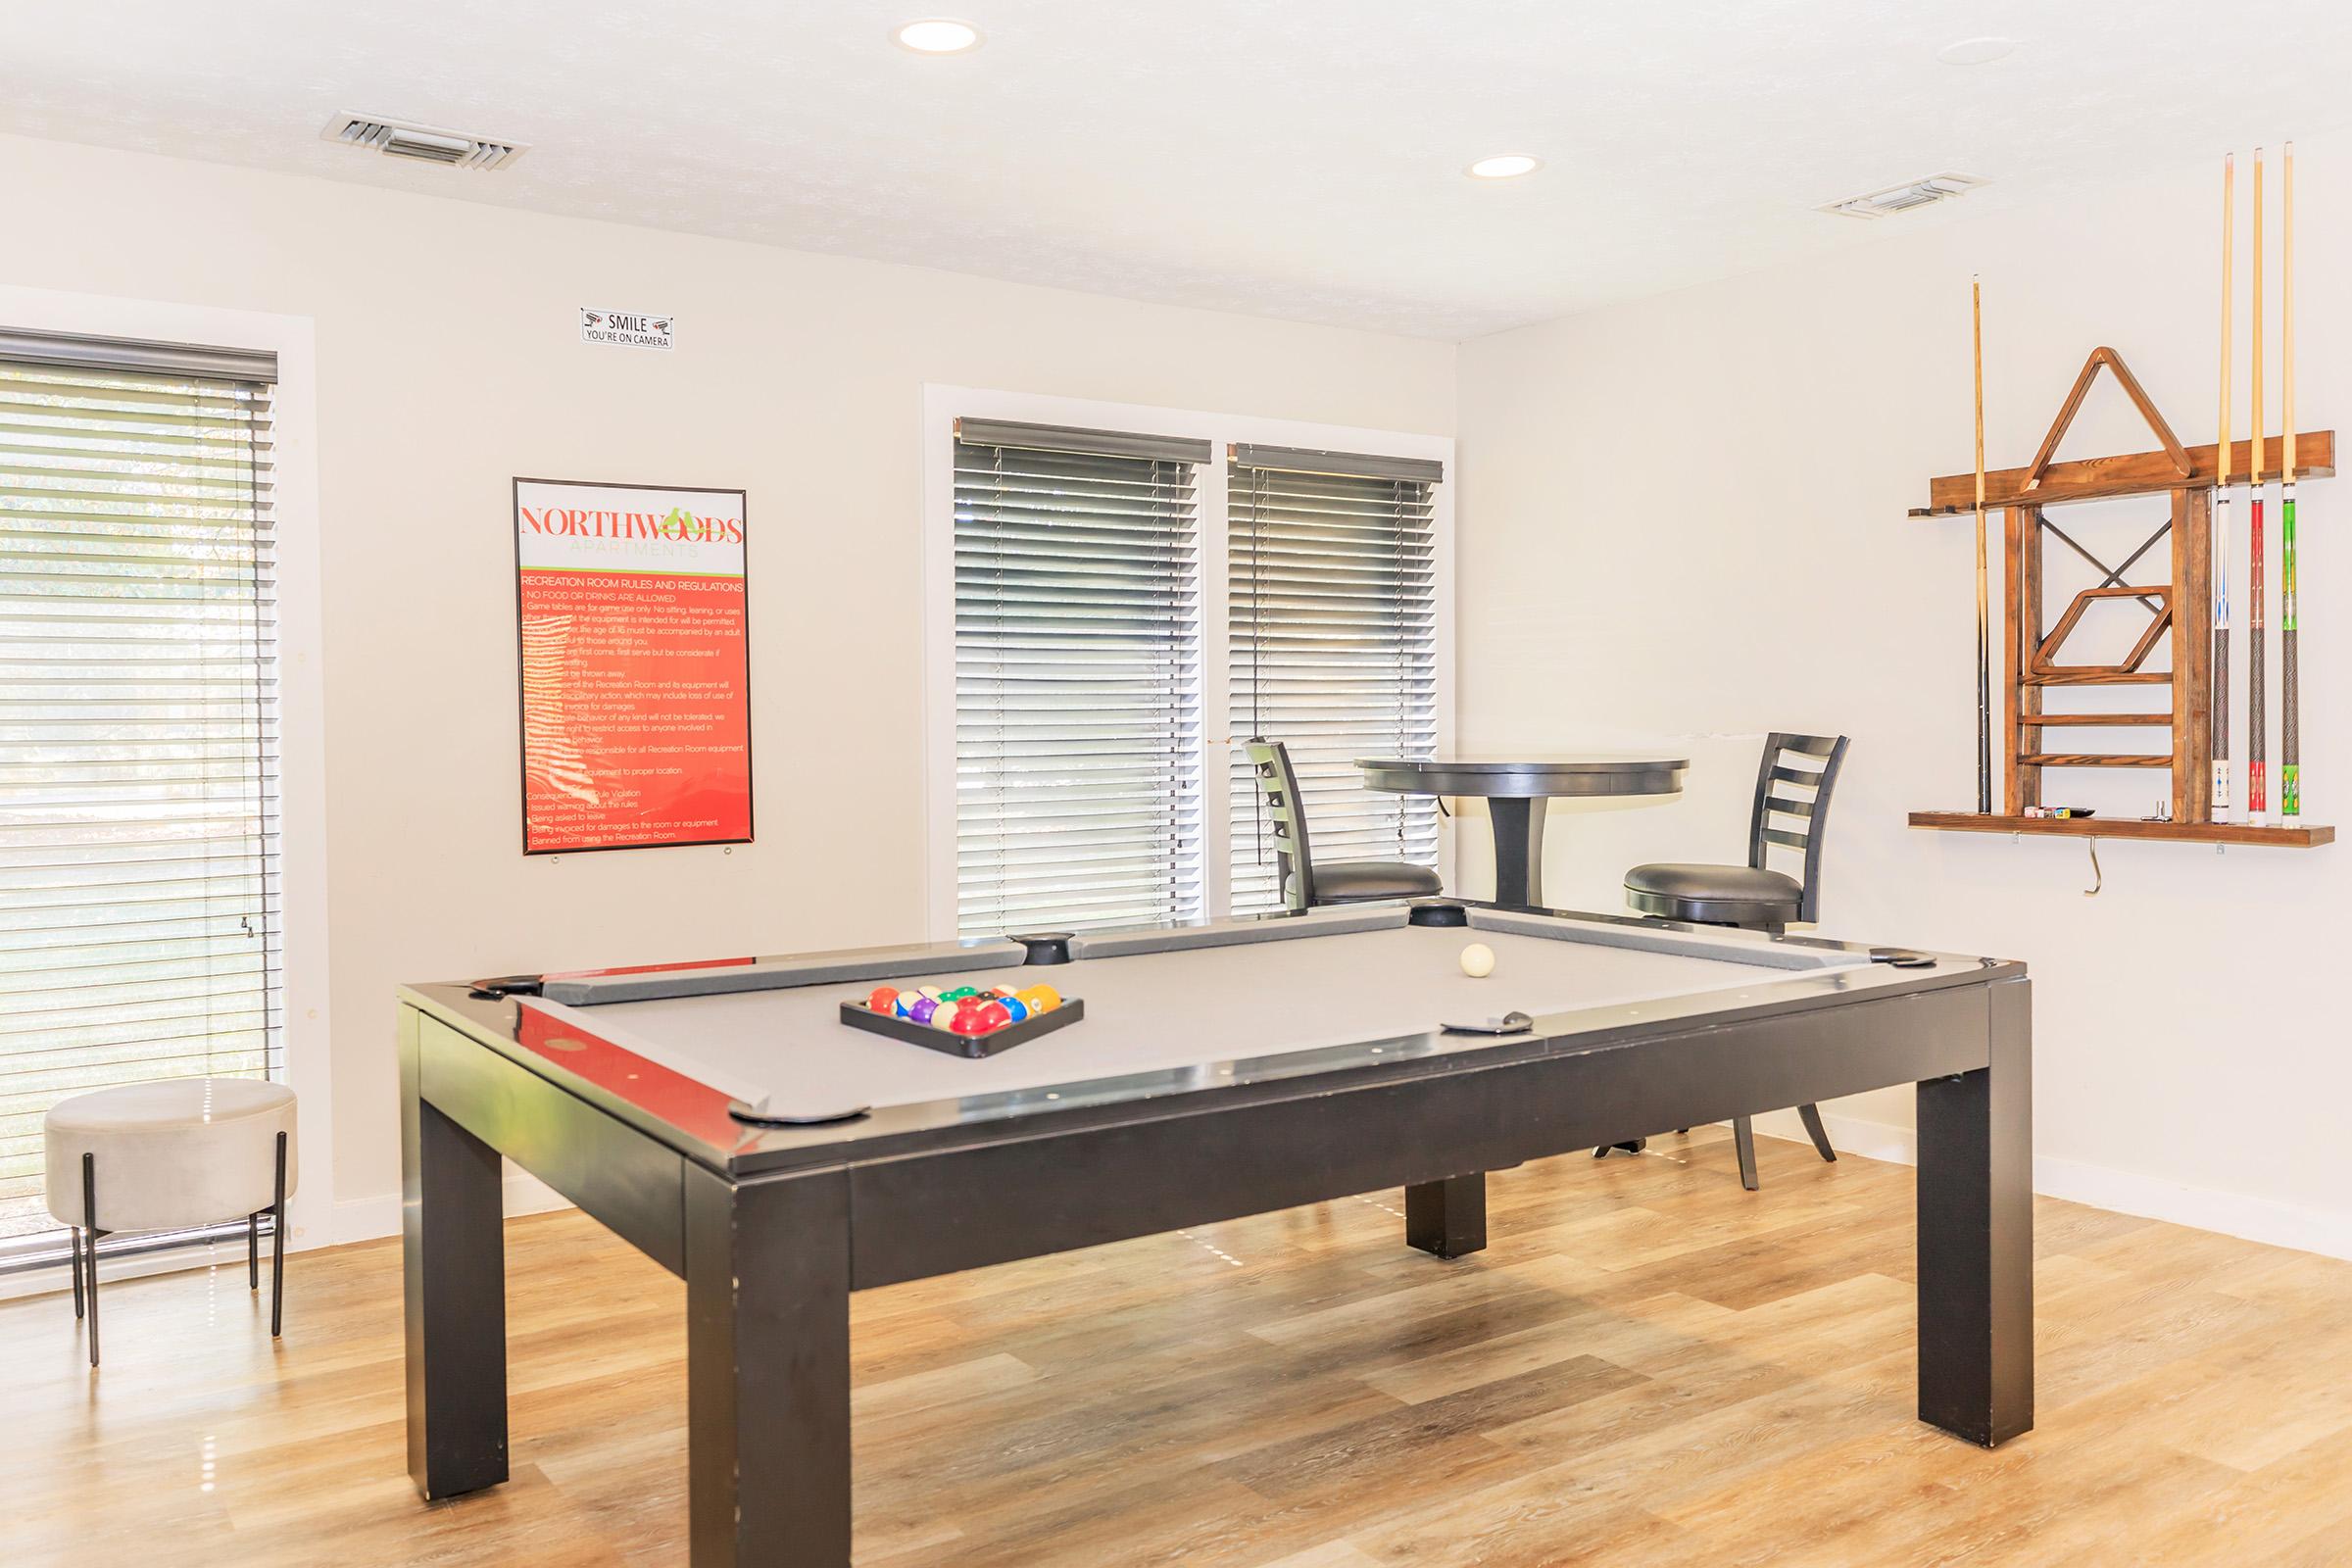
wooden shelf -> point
(2094, 759)
(2128, 827)
(2138, 475)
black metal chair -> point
(1304, 883)
(1794, 782)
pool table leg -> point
(767, 1371)
(454, 1304)
(1448, 1218)
(1976, 1236)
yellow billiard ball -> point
(1478, 961)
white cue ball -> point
(1478, 961)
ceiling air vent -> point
(397, 138)
(1902, 198)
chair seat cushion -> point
(1345, 881)
(169, 1154)
(1713, 892)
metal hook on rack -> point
(2098, 878)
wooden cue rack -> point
(2179, 610)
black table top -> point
(1597, 773)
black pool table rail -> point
(695, 1118)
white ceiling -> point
(1292, 157)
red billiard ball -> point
(882, 1000)
(968, 1020)
(994, 1015)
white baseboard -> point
(223, 1254)
(2253, 1220)
(364, 1219)
(1871, 1139)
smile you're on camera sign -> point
(628, 330)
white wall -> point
(448, 362)
(1683, 520)
(1679, 520)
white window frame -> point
(302, 701)
(943, 405)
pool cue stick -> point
(2221, 519)
(2258, 716)
(1975, 303)
(2290, 750)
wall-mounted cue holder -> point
(2179, 612)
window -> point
(1126, 608)
(139, 844)
(1078, 701)
(1331, 648)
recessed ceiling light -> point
(937, 35)
(1504, 165)
(1977, 51)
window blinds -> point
(139, 918)
(1078, 700)
(1331, 648)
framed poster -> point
(636, 665)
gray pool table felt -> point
(1152, 1012)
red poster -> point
(636, 671)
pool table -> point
(719, 1116)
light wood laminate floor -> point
(1648, 1365)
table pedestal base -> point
(1518, 849)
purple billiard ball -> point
(922, 1010)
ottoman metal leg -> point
(75, 1232)
(252, 1250)
(277, 1246)
(89, 1214)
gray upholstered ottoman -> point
(171, 1155)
